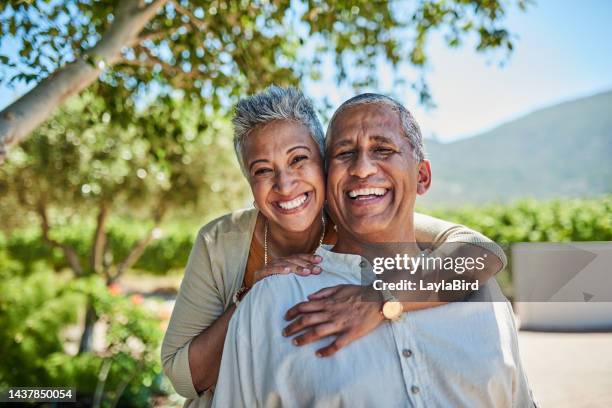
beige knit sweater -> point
(215, 272)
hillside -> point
(561, 151)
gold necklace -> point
(266, 238)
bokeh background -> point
(101, 199)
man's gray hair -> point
(274, 103)
(410, 127)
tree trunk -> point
(99, 239)
(86, 343)
(24, 115)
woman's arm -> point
(198, 306)
(433, 233)
(206, 348)
(339, 310)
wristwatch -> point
(392, 308)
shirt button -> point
(414, 389)
(362, 264)
(406, 353)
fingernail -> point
(287, 269)
(285, 332)
(306, 270)
(318, 258)
(318, 354)
(316, 269)
(295, 342)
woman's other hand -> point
(300, 264)
(337, 310)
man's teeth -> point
(366, 192)
(296, 202)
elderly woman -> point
(279, 143)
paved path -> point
(568, 369)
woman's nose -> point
(285, 182)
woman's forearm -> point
(206, 350)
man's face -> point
(373, 179)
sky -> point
(562, 51)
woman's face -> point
(285, 171)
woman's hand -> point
(337, 310)
(300, 264)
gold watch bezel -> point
(392, 309)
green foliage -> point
(170, 252)
(533, 221)
(84, 158)
(36, 310)
(83, 161)
(222, 50)
(526, 221)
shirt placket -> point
(410, 362)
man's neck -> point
(349, 243)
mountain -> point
(560, 151)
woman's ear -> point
(424, 177)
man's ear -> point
(424, 177)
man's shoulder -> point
(272, 290)
(490, 291)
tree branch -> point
(169, 69)
(69, 252)
(20, 118)
(141, 245)
(197, 23)
(158, 34)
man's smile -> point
(364, 196)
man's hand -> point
(300, 264)
(337, 310)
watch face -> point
(392, 310)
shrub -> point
(36, 309)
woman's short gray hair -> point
(274, 103)
(409, 125)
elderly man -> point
(459, 354)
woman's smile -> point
(294, 205)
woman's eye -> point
(262, 171)
(298, 159)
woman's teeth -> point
(296, 202)
(366, 192)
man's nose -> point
(285, 182)
(363, 167)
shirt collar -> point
(335, 261)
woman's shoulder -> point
(240, 221)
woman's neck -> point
(282, 243)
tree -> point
(221, 49)
(86, 164)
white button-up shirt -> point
(463, 354)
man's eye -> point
(345, 155)
(298, 159)
(383, 150)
